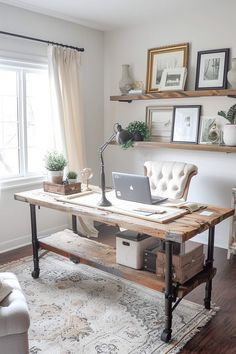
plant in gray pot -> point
(229, 130)
(55, 163)
(139, 131)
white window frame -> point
(18, 65)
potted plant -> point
(55, 163)
(139, 131)
(229, 130)
(71, 177)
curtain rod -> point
(42, 41)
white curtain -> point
(64, 75)
(64, 65)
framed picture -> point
(173, 79)
(212, 67)
(185, 124)
(210, 130)
(164, 58)
(159, 122)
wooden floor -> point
(219, 335)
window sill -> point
(21, 182)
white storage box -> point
(130, 248)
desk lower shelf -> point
(103, 257)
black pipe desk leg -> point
(166, 334)
(35, 243)
(74, 224)
(209, 265)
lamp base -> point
(104, 202)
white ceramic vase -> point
(231, 76)
(125, 84)
(55, 177)
(229, 134)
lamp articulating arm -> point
(104, 201)
(122, 136)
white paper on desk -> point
(125, 207)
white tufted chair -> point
(169, 179)
(14, 318)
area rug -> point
(76, 309)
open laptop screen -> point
(135, 188)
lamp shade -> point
(122, 136)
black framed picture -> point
(212, 67)
(185, 125)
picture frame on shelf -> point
(162, 58)
(173, 79)
(212, 67)
(159, 122)
(185, 125)
(210, 131)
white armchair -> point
(170, 179)
(14, 318)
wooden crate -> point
(185, 265)
(64, 189)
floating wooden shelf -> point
(174, 94)
(199, 147)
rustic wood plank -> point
(174, 94)
(103, 257)
(97, 255)
(184, 146)
(179, 230)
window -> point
(26, 131)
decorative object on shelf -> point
(210, 131)
(126, 82)
(72, 177)
(185, 124)
(162, 58)
(229, 130)
(231, 76)
(212, 67)
(173, 79)
(86, 175)
(159, 122)
(55, 163)
(121, 135)
(138, 131)
(137, 88)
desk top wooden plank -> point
(179, 230)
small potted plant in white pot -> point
(55, 163)
(229, 130)
(71, 177)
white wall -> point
(14, 216)
(205, 25)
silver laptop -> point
(135, 188)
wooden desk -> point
(103, 257)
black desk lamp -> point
(122, 136)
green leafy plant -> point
(72, 175)
(230, 115)
(139, 130)
(55, 161)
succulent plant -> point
(230, 115)
(72, 175)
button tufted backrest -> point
(169, 179)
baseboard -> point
(26, 240)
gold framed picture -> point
(158, 59)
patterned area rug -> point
(76, 309)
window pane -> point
(39, 125)
(9, 156)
